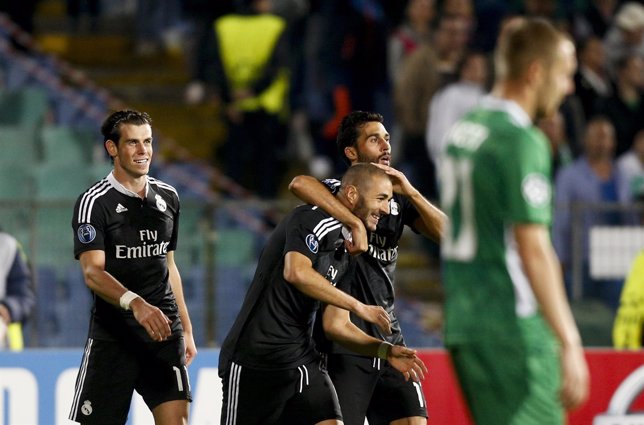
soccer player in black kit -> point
(140, 336)
(268, 363)
(366, 386)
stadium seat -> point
(67, 145)
(16, 181)
(26, 107)
(57, 181)
(54, 235)
(19, 145)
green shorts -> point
(512, 382)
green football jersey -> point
(495, 173)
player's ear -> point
(535, 72)
(110, 147)
(352, 194)
(351, 153)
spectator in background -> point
(626, 36)
(453, 101)
(555, 130)
(415, 86)
(625, 107)
(157, 27)
(76, 9)
(450, 42)
(590, 180)
(630, 165)
(415, 30)
(592, 81)
(248, 65)
(17, 297)
(200, 15)
(594, 20)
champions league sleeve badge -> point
(312, 243)
(86, 233)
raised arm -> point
(177, 290)
(541, 266)
(338, 327)
(111, 290)
(299, 271)
(431, 222)
(311, 191)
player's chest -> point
(136, 221)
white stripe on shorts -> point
(80, 380)
(233, 393)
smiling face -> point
(133, 153)
(373, 202)
(372, 145)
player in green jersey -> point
(509, 329)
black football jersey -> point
(273, 328)
(136, 235)
(373, 280)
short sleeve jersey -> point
(373, 281)
(136, 235)
(495, 173)
(273, 328)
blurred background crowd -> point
(244, 103)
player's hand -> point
(575, 377)
(405, 361)
(399, 181)
(359, 242)
(152, 319)
(627, 330)
(376, 315)
(191, 347)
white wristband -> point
(126, 299)
(383, 350)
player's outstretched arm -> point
(338, 327)
(299, 271)
(311, 191)
(111, 290)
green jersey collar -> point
(510, 107)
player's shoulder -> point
(318, 221)
(95, 192)
(161, 186)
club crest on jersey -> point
(312, 243)
(86, 233)
(394, 208)
(161, 205)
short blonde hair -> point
(530, 40)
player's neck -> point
(135, 184)
(518, 92)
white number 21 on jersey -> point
(456, 179)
